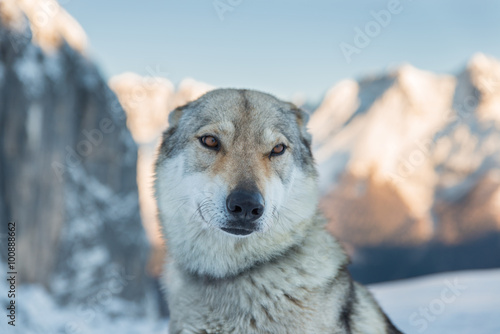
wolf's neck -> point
(316, 257)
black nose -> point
(246, 205)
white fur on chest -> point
(292, 294)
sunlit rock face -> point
(468, 156)
(147, 102)
(411, 159)
(376, 161)
(68, 163)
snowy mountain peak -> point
(337, 107)
(50, 24)
(147, 101)
(415, 140)
(478, 90)
(484, 73)
(481, 64)
(418, 86)
(190, 89)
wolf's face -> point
(235, 181)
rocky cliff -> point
(67, 163)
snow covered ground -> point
(456, 302)
(465, 302)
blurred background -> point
(404, 98)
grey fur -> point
(290, 276)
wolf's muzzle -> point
(245, 207)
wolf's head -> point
(235, 181)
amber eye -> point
(210, 142)
(278, 150)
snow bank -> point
(455, 302)
(38, 313)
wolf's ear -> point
(302, 117)
(174, 117)
(176, 114)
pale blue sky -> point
(282, 47)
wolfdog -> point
(248, 251)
